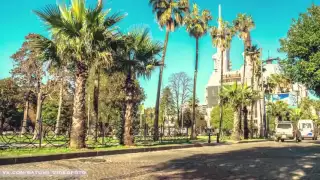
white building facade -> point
(230, 77)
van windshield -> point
(284, 126)
(306, 125)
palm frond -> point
(50, 15)
(197, 22)
(113, 19)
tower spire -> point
(220, 17)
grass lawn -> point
(23, 152)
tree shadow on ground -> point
(292, 162)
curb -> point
(254, 141)
(53, 157)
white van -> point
(308, 129)
(286, 130)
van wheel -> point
(313, 138)
(282, 140)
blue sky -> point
(272, 18)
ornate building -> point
(231, 76)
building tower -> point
(211, 94)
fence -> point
(46, 135)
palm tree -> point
(270, 85)
(80, 35)
(137, 58)
(284, 83)
(221, 38)
(254, 53)
(237, 96)
(278, 111)
(197, 25)
(169, 14)
(244, 24)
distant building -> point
(230, 77)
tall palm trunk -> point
(96, 90)
(78, 129)
(220, 103)
(236, 124)
(252, 101)
(243, 82)
(193, 122)
(58, 123)
(156, 113)
(247, 43)
(245, 122)
(25, 115)
(128, 131)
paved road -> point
(263, 160)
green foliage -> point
(149, 116)
(244, 24)
(222, 37)
(227, 117)
(197, 22)
(82, 34)
(235, 95)
(302, 46)
(49, 112)
(10, 102)
(170, 14)
(187, 118)
(278, 110)
(166, 105)
(306, 106)
(112, 99)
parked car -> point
(287, 130)
(308, 129)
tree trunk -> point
(252, 111)
(96, 90)
(38, 124)
(236, 125)
(245, 123)
(128, 131)
(141, 124)
(24, 127)
(182, 123)
(78, 129)
(243, 80)
(58, 123)
(193, 122)
(1, 122)
(247, 43)
(156, 120)
(88, 116)
(220, 103)
(163, 127)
